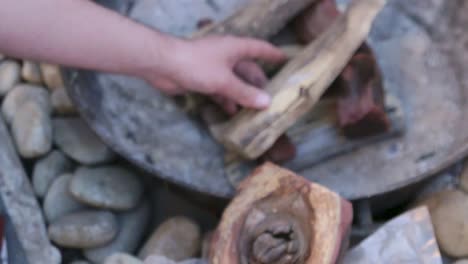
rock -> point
(47, 169)
(449, 214)
(21, 94)
(85, 229)
(52, 76)
(22, 208)
(32, 131)
(464, 177)
(132, 229)
(31, 73)
(109, 187)
(200, 209)
(121, 258)
(58, 201)
(77, 140)
(9, 76)
(61, 103)
(155, 259)
(177, 238)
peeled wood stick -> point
(258, 19)
(297, 87)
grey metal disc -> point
(414, 48)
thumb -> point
(246, 95)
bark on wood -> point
(279, 217)
(300, 84)
(361, 111)
(259, 19)
(361, 105)
(314, 20)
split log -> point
(279, 217)
(299, 85)
(258, 19)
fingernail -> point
(263, 100)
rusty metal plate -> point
(417, 48)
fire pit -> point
(411, 41)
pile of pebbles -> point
(98, 209)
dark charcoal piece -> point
(361, 110)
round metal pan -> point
(417, 47)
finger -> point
(247, 48)
(251, 73)
(245, 95)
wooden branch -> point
(279, 217)
(297, 87)
(258, 19)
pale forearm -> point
(81, 34)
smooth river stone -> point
(31, 73)
(133, 225)
(61, 103)
(52, 76)
(449, 215)
(47, 169)
(178, 238)
(77, 140)
(32, 131)
(109, 187)
(122, 258)
(21, 94)
(86, 229)
(9, 76)
(58, 201)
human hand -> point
(220, 66)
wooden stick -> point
(258, 19)
(297, 88)
(280, 217)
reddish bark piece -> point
(280, 217)
(314, 20)
(361, 105)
